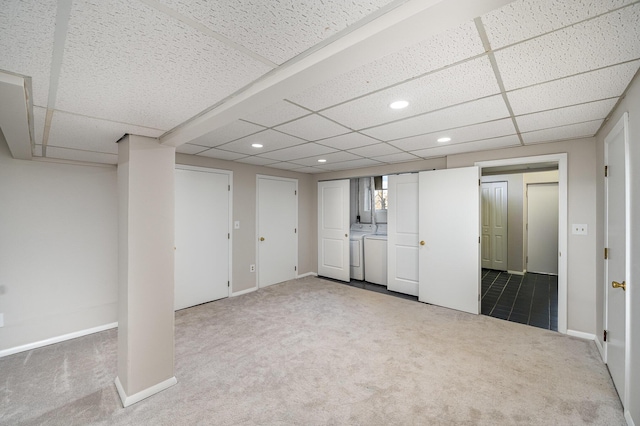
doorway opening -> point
(524, 279)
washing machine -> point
(375, 256)
(356, 248)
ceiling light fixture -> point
(399, 104)
(445, 139)
(256, 145)
(322, 160)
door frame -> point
(257, 232)
(561, 159)
(624, 123)
(229, 173)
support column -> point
(145, 264)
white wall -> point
(58, 248)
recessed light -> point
(322, 160)
(445, 139)
(399, 104)
(256, 145)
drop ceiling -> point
(314, 80)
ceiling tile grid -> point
(563, 116)
(524, 19)
(26, 42)
(334, 157)
(221, 155)
(190, 149)
(127, 62)
(347, 165)
(312, 128)
(571, 131)
(375, 150)
(39, 117)
(461, 148)
(279, 113)
(285, 165)
(277, 30)
(399, 157)
(461, 83)
(607, 40)
(299, 151)
(235, 130)
(270, 140)
(81, 155)
(595, 85)
(256, 161)
(349, 141)
(436, 52)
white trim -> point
(563, 228)
(601, 350)
(581, 334)
(308, 274)
(57, 339)
(516, 272)
(132, 399)
(627, 416)
(241, 292)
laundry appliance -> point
(356, 248)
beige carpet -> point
(314, 352)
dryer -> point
(375, 256)
(356, 248)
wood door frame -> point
(257, 246)
(561, 159)
(624, 123)
(229, 173)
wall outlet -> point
(1, 320)
(579, 229)
(252, 268)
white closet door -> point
(402, 247)
(333, 229)
(450, 238)
(494, 225)
(542, 219)
(201, 237)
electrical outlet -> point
(579, 229)
(252, 268)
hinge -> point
(606, 253)
(606, 171)
(478, 240)
(605, 335)
(228, 236)
(295, 268)
(479, 182)
(228, 187)
(295, 192)
(295, 230)
(527, 260)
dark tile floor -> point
(374, 287)
(528, 299)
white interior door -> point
(201, 237)
(402, 231)
(494, 225)
(616, 265)
(450, 238)
(277, 230)
(333, 229)
(542, 217)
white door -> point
(333, 229)
(450, 238)
(616, 265)
(201, 237)
(542, 229)
(277, 230)
(494, 225)
(402, 231)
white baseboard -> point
(57, 339)
(582, 335)
(627, 416)
(601, 350)
(240, 293)
(137, 397)
(308, 274)
(516, 272)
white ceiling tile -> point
(236, 130)
(353, 164)
(191, 149)
(487, 109)
(436, 52)
(277, 30)
(37, 151)
(221, 155)
(375, 150)
(90, 134)
(523, 19)
(571, 131)
(397, 158)
(334, 157)
(483, 145)
(470, 80)
(26, 42)
(309, 170)
(80, 155)
(349, 141)
(256, 161)
(474, 132)
(299, 151)
(284, 166)
(270, 139)
(39, 117)
(591, 86)
(276, 114)
(127, 62)
(312, 128)
(600, 42)
(563, 116)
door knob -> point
(261, 238)
(622, 285)
(346, 235)
(422, 242)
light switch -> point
(236, 224)
(579, 229)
